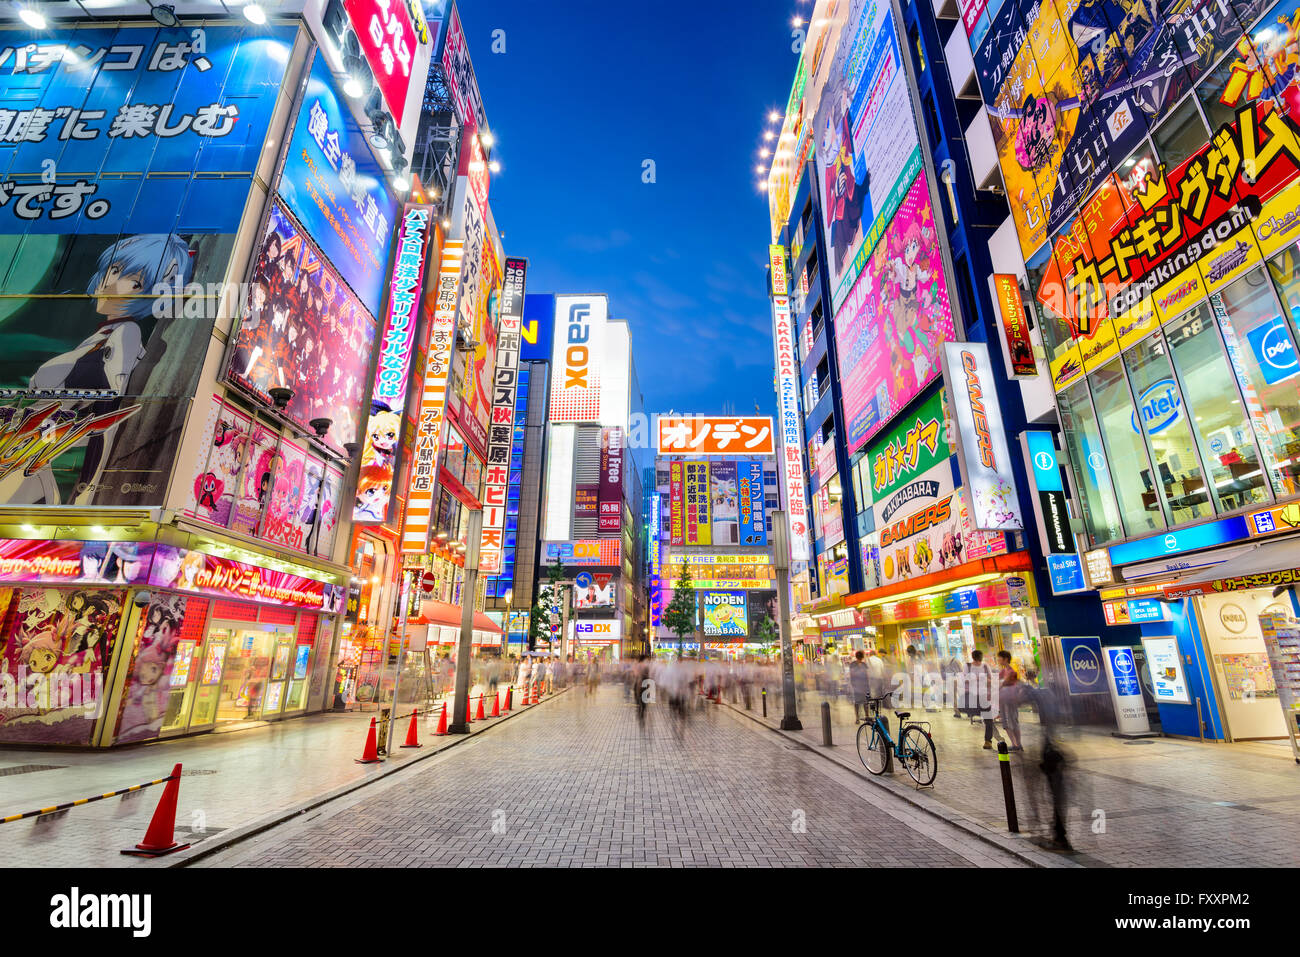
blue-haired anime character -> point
(125, 287)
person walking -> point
(876, 674)
(860, 684)
(525, 675)
(979, 680)
(1055, 759)
(1009, 699)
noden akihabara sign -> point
(716, 435)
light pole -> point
(781, 544)
(510, 605)
(460, 710)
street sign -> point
(427, 581)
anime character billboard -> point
(890, 329)
(102, 237)
(303, 330)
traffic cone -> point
(160, 839)
(509, 693)
(413, 734)
(442, 722)
(479, 715)
(371, 754)
(496, 706)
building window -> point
(1141, 511)
(1082, 441)
(1181, 135)
(1163, 423)
(1221, 427)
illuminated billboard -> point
(867, 148)
(890, 330)
(715, 435)
(500, 439)
(598, 552)
(575, 369)
(791, 421)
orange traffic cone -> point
(413, 734)
(371, 754)
(479, 715)
(442, 722)
(509, 692)
(496, 706)
(160, 839)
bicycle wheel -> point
(873, 749)
(919, 757)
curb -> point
(235, 835)
(1007, 844)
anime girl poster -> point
(58, 645)
(215, 475)
(280, 522)
(255, 481)
(144, 700)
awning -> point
(992, 567)
(1266, 565)
(434, 612)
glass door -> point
(246, 673)
(180, 695)
(208, 690)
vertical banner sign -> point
(787, 371)
(676, 507)
(433, 402)
(698, 519)
(1013, 327)
(985, 462)
(656, 600)
(505, 384)
(776, 258)
(753, 515)
(611, 480)
(383, 438)
(1064, 566)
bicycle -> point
(914, 748)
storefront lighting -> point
(768, 134)
(255, 13)
(164, 14)
(352, 88)
(446, 223)
(934, 589)
(30, 529)
(33, 18)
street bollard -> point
(1008, 795)
(765, 702)
(826, 724)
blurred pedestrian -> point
(1055, 759)
(876, 674)
(1009, 699)
(980, 677)
(860, 683)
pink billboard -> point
(890, 329)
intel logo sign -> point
(1084, 665)
(1159, 406)
(1274, 350)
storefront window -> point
(1141, 509)
(1163, 423)
(1087, 457)
(1222, 432)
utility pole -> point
(460, 710)
(781, 544)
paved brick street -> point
(1163, 801)
(579, 783)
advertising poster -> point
(915, 445)
(187, 570)
(495, 555)
(1083, 667)
(677, 504)
(933, 538)
(586, 501)
(337, 189)
(1013, 327)
(216, 473)
(761, 604)
(255, 482)
(724, 481)
(724, 614)
(303, 330)
(753, 512)
(383, 435)
(144, 701)
(97, 209)
(593, 590)
(868, 152)
(57, 645)
(890, 329)
(1072, 91)
(611, 480)
(66, 562)
(715, 435)
(281, 523)
(695, 487)
(791, 422)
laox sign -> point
(575, 394)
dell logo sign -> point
(1274, 350)
(1159, 406)
(1084, 665)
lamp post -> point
(460, 709)
(510, 607)
(781, 545)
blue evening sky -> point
(584, 93)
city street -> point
(578, 783)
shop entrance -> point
(244, 674)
